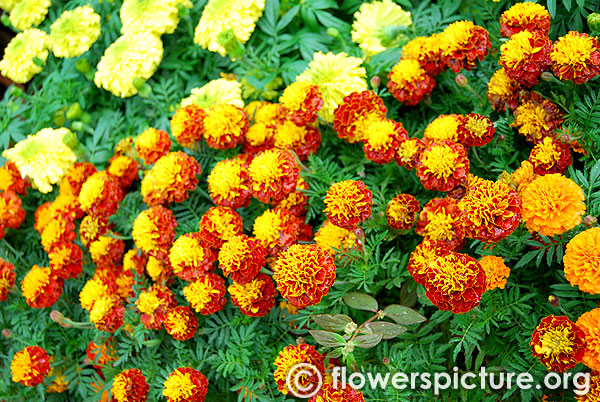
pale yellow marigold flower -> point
(19, 62)
(74, 32)
(216, 91)
(8, 5)
(28, 13)
(156, 16)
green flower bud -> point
(593, 21)
(74, 112)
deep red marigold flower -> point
(409, 83)
(491, 211)
(301, 101)
(276, 229)
(108, 313)
(30, 365)
(462, 44)
(576, 57)
(589, 323)
(75, 177)
(401, 211)
(273, 174)
(12, 213)
(65, 260)
(496, 271)
(154, 231)
(242, 258)
(225, 126)
(443, 128)
(259, 138)
(187, 125)
(537, 118)
(102, 353)
(291, 358)
(41, 287)
(7, 278)
(153, 305)
(11, 180)
(558, 343)
(525, 16)
(455, 282)
(190, 257)
(355, 108)
(344, 393)
(229, 183)
(503, 91)
(206, 294)
(107, 250)
(130, 386)
(254, 298)
(58, 230)
(525, 56)
(152, 144)
(384, 138)
(101, 194)
(409, 152)
(185, 384)
(124, 168)
(296, 201)
(181, 323)
(427, 51)
(550, 156)
(303, 140)
(348, 203)
(304, 273)
(425, 253)
(443, 166)
(218, 225)
(91, 228)
(440, 220)
(171, 179)
(475, 130)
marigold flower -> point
(206, 294)
(582, 261)
(107, 250)
(152, 144)
(496, 271)
(153, 305)
(594, 392)
(443, 166)
(75, 177)
(301, 101)
(552, 204)
(18, 62)
(427, 51)
(158, 17)
(224, 126)
(576, 57)
(135, 260)
(503, 91)
(297, 201)
(303, 140)
(8, 5)
(159, 271)
(12, 213)
(28, 13)
(440, 220)
(491, 211)
(289, 359)
(101, 194)
(218, 225)
(65, 260)
(30, 365)
(525, 16)
(525, 56)
(124, 168)
(254, 298)
(190, 257)
(217, 91)
(425, 253)
(384, 138)
(558, 343)
(259, 138)
(537, 118)
(7, 278)
(589, 323)
(58, 230)
(348, 203)
(101, 353)
(524, 175)
(443, 128)
(187, 125)
(129, 386)
(462, 44)
(409, 152)
(185, 384)
(550, 156)
(74, 32)
(171, 179)
(67, 206)
(242, 258)
(59, 382)
(475, 130)
(91, 228)
(41, 287)
(345, 393)
(401, 211)
(333, 238)
(11, 180)
(93, 290)
(276, 229)
(229, 183)
(409, 82)
(274, 175)
(154, 231)
(355, 109)
(181, 323)
(455, 282)
(108, 313)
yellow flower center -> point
(380, 134)
(287, 134)
(34, 282)
(344, 199)
(148, 302)
(119, 166)
(451, 274)
(185, 252)
(101, 247)
(441, 161)
(145, 234)
(102, 308)
(555, 341)
(456, 36)
(531, 118)
(22, 367)
(439, 226)
(444, 127)
(233, 253)
(258, 133)
(408, 149)
(154, 268)
(179, 386)
(120, 386)
(92, 190)
(177, 323)
(476, 127)
(501, 84)
(224, 122)
(93, 290)
(331, 237)
(246, 294)
(60, 256)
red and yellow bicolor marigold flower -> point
(107, 250)
(355, 108)
(593, 395)
(455, 282)
(525, 56)
(187, 125)
(303, 140)
(409, 152)
(152, 144)
(333, 238)
(41, 287)
(496, 271)
(491, 211)
(443, 128)
(102, 353)
(384, 138)
(440, 220)
(296, 201)
(576, 57)
(229, 183)
(304, 273)
(171, 179)
(582, 261)
(558, 343)
(262, 111)
(424, 254)
(12, 213)
(409, 83)
(11, 180)
(59, 383)
(552, 204)
(273, 174)
(100, 194)
(7, 278)
(94, 289)
(67, 206)
(185, 384)
(159, 271)
(206, 294)
(276, 229)
(181, 323)
(242, 258)
(475, 130)
(291, 358)
(259, 138)
(550, 156)
(462, 44)
(153, 305)
(124, 281)
(301, 101)
(154, 231)
(589, 323)
(348, 203)
(401, 211)
(135, 260)
(30, 365)
(130, 386)
(123, 168)
(525, 16)
(537, 118)
(108, 313)
(443, 165)
(58, 230)
(503, 91)
(225, 126)
(344, 393)
(254, 298)
(66, 260)
(218, 225)
(190, 257)
(91, 228)
(427, 51)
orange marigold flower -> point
(101, 353)
(333, 238)
(294, 357)
(66, 260)
(496, 271)
(503, 91)
(11, 180)
(181, 323)
(190, 257)
(443, 166)
(276, 229)
(440, 220)
(576, 57)
(525, 16)
(589, 323)
(409, 83)
(41, 287)
(242, 258)
(425, 253)
(462, 44)
(101, 194)
(254, 298)
(30, 365)
(582, 261)
(409, 152)
(171, 179)
(304, 273)
(475, 130)
(491, 211)
(185, 384)
(154, 231)
(225, 126)
(75, 177)
(206, 294)
(525, 56)
(125, 281)
(273, 174)
(58, 230)
(401, 211)
(229, 183)
(107, 250)
(301, 101)
(455, 282)
(43, 214)
(259, 138)
(296, 201)
(153, 305)
(355, 108)
(550, 156)
(91, 228)
(537, 118)
(427, 51)
(345, 393)
(187, 125)
(303, 140)
(348, 203)
(152, 144)
(558, 343)
(384, 138)
(12, 213)
(123, 168)
(552, 204)
(59, 382)
(220, 224)
(108, 313)
(524, 175)
(7, 278)
(130, 386)
(443, 128)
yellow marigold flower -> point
(255, 298)
(59, 383)
(107, 250)
(41, 287)
(582, 261)
(8, 5)
(301, 102)
(216, 91)
(462, 44)
(273, 174)
(333, 238)
(525, 56)
(234, 17)
(28, 13)
(74, 32)
(427, 51)
(131, 56)
(276, 229)
(21, 53)
(336, 75)
(265, 112)
(576, 57)
(157, 270)
(409, 82)
(537, 118)
(496, 271)
(552, 204)
(156, 16)
(443, 127)
(375, 25)
(129, 386)
(152, 144)
(590, 325)
(101, 194)
(185, 384)
(154, 231)
(108, 313)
